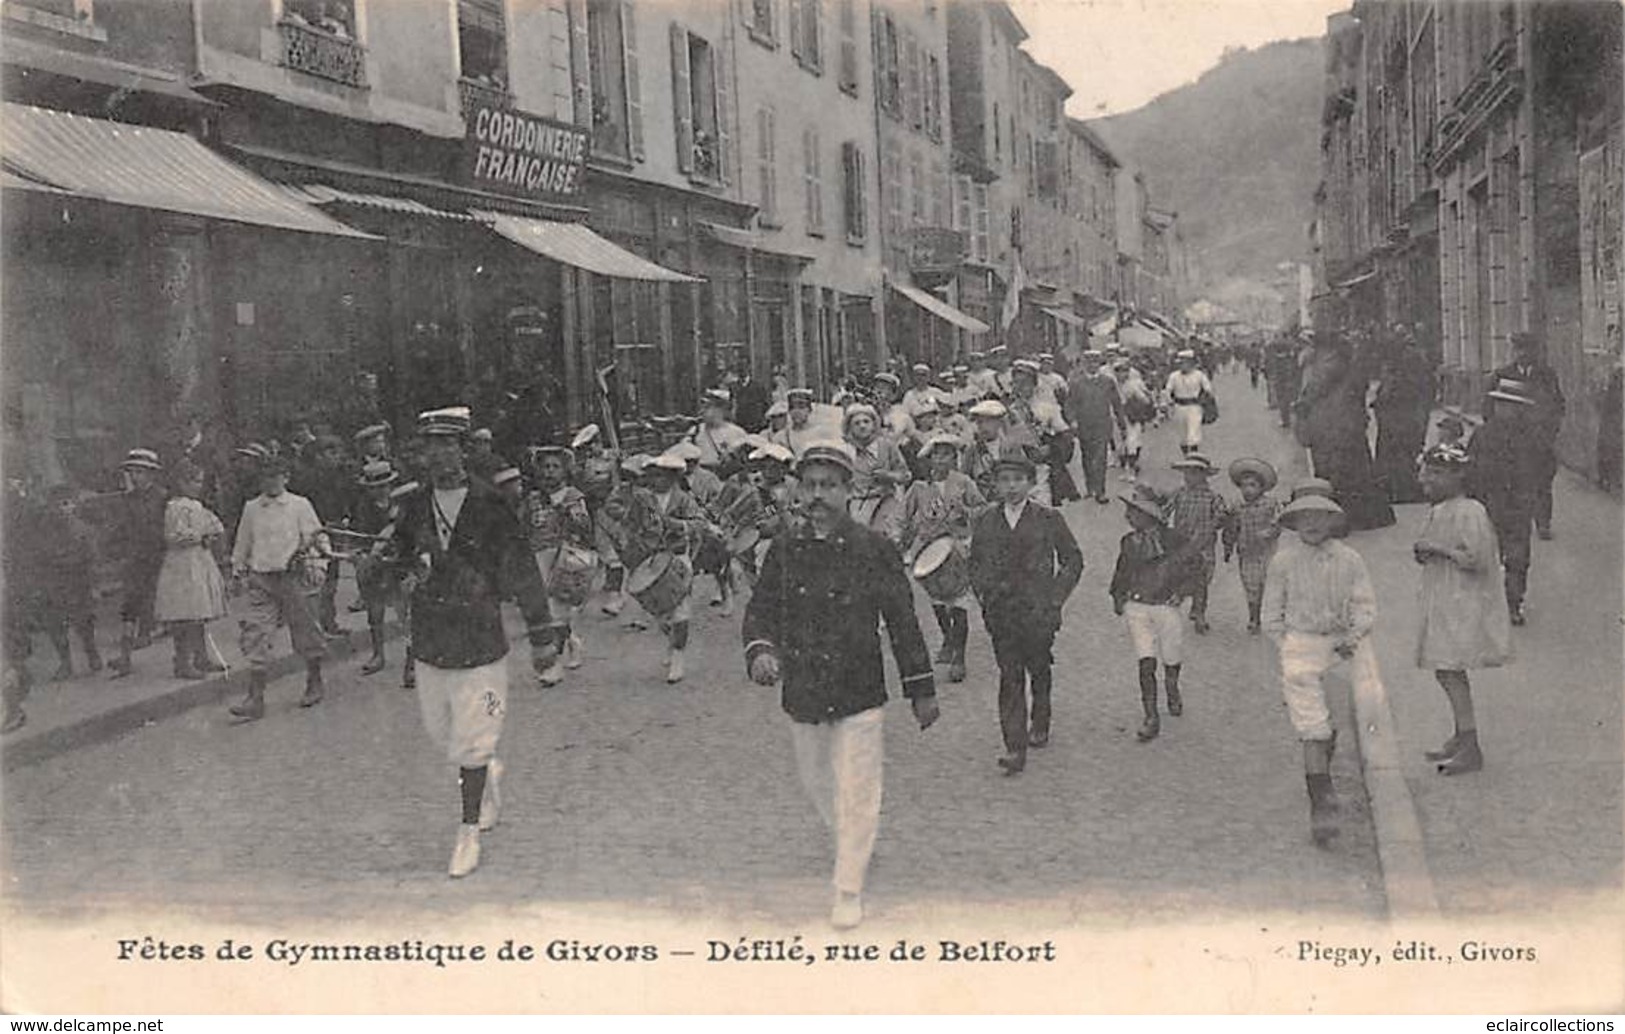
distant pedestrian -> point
(64, 552)
(1139, 412)
(1094, 408)
(1545, 394)
(138, 535)
(1464, 618)
(1251, 532)
(1403, 404)
(1185, 389)
(190, 589)
(1024, 563)
(1319, 609)
(1508, 468)
(1151, 579)
(814, 621)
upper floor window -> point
(319, 39)
(933, 97)
(761, 22)
(854, 192)
(482, 44)
(807, 33)
(767, 148)
(702, 98)
(849, 45)
(889, 66)
(334, 17)
(605, 62)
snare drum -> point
(661, 583)
(570, 579)
(743, 544)
(942, 570)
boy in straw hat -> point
(814, 621)
(467, 554)
(1024, 563)
(1197, 513)
(556, 518)
(944, 502)
(1152, 576)
(139, 544)
(1507, 467)
(1465, 623)
(1251, 531)
(1319, 608)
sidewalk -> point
(92, 707)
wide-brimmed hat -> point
(505, 476)
(1446, 457)
(1257, 468)
(1194, 461)
(450, 421)
(376, 474)
(1143, 503)
(939, 439)
(1312, 486)
(371, 431)
(991, 409)
(835, 454)
(141, 459)
(771, 451)
(1509, 390)
(585, 436)
(1308, 504)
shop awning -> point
(1071, 319)
(577, 245)
(941, 309)
(750, 240)
(1355, 281)
(322, 194)
(149, 168)
(93, 68)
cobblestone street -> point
(621, 788)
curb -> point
(23, 749)
(1401, 852)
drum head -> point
(933, 556)
(648, 572)
(744, 540)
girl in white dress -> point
(190, 588)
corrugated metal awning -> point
(577, 245)
(322, 194)
(750, 240)
(149, 168)
(1071, 319)
(941, 309)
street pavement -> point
(621, 789)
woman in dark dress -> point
(1332, 408)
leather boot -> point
(314, 690)
(1323, 809)
(1467, 758)
(1445, 752)
(185, 667)
(375, 663)
(1152, 725)
(253, 705)
(1170, 677)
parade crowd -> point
(818, 516)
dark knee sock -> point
(1148, 684)
(1170, 675)
(944, 622)
(613, 578)
(472, 782)
(958, 629)
(679, 636)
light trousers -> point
(1305, 659)
(840, 766)
(1190, 424)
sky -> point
(1120, 54)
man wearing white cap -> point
(716, 436)
(921, 392)
(814, 621)
(798, 434)
(1052, 386)
(466, 554)
(980, 379)
(1185, 388)
(879, 470)
(982, 454)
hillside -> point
(1236, 154)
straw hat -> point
(141, 459)
(1312, 486)
(1308, 504)
(376, 474)
(1194, 461)
(1256, 467)
(936, 440)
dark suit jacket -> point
(1024, 574)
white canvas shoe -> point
(848, 911)
(674, 667)
(572, 652)
(491, 802)
(465, 857)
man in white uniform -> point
(1184, 390)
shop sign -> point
(511, 152)
(935, 249)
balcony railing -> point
(323, 54)
(479, 92)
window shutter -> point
(797, 46)
(634, 81)
(723, 75)
(815, 13)
(862, 180)
(849, 45)
(914, 93)
(682, 101)
(580, 72)
(765, 146)
(812, 179)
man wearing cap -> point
(1529, 367)
(980, 380)
(1024, 563)
(798, 433)
(1052, 386)
(1198, 513)
(921, 392)
(466, 554)
(982, 454)
(716, 436)
(1319, 609)
(1094, 408)
(1152, 577)
(372, 444)
(878, 470)
(1040, 428)
(814, 621)
(778, 417)
(666, 518)
(998, 359)
(1184, 389)
(139, 545)
(1508, 468)
(282, 553)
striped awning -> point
(577, 245)
(322, 194)
(148, 168)
(940, 309)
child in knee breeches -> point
(1251, 532)
(1154, 568)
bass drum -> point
(942, 570)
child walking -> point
(190, 590)
(1465, 621)
(376, 513)
(943, 504)
(1154, 566)
(1319, 608)
(1197, 513)
(1251, 531)
(66, 553)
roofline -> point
(1001, 11)
(1094, 140)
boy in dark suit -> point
(1024, 564)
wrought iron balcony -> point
(323, 54)
(479, 91)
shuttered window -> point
(854, 192)
(813, 181)
(849, 45)
(767, 167)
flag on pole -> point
(1012, 296)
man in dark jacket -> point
(815, 617)
(1024, 563)
(1505, 476)
(464, 554)
(1529, 367)
(139, 538)
(1093, 408)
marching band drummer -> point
(556, 518)
(665, 518)
(981, 457)
(878, 470)
(611, 533)
(716, 435)
(798, 433)
(945, 502)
